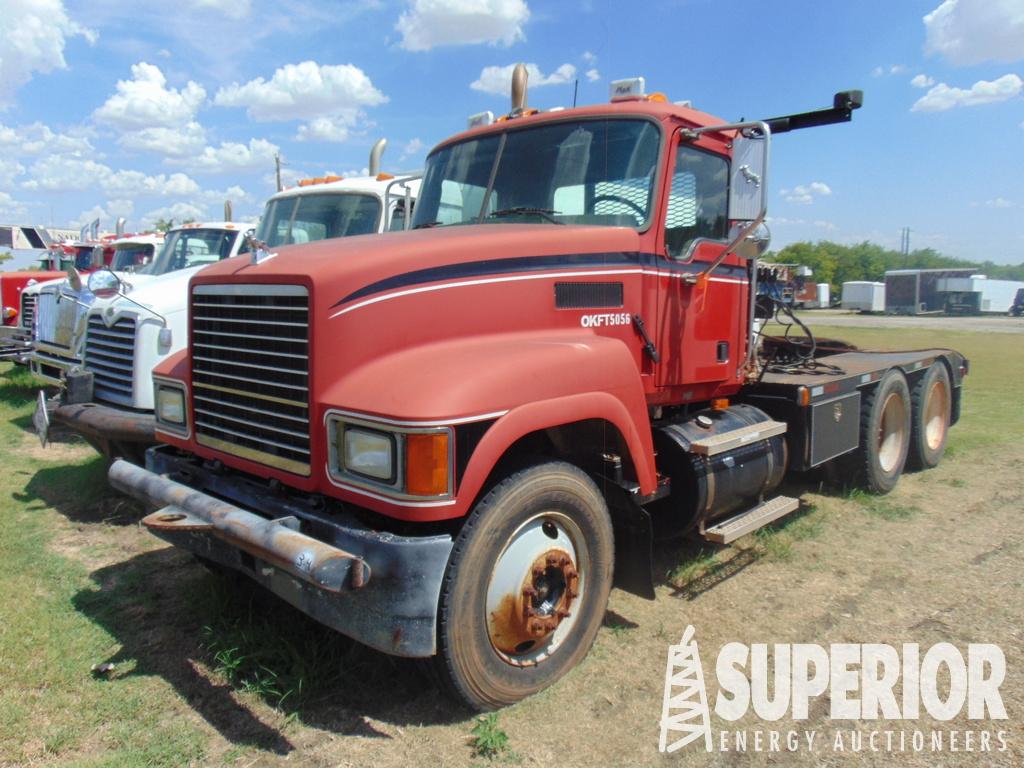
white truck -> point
(61, 305)
(109, 398)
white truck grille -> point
(110, 355)
(57, 317)
(250, 372)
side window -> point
(697, 204)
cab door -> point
(698, 323)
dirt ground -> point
(939, 560)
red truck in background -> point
(449, 442)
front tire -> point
(526, 587)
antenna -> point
(575, 91)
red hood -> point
(336, 268)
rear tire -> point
(884, 436)
(526, 587)
(932, 407)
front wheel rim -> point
(891, 433)
(536, 589)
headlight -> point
(369, 453)
(170, 405)
(405, 461)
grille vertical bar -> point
(250, 372)
(110, 355)
(28, 309)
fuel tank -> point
(707, 487)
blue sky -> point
(111, 107)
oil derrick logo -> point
(685, 716)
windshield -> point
(578, 172)
(132, 257)
(192, 248)
(305, 218)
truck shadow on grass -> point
(80, 493)
(219, 640)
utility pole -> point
(905, 241)
(277, 169)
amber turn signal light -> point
(426, 464)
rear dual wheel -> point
(885, 433)
(932, 405)
(526, 587)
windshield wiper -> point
(426, 224)
(524, 210)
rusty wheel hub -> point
(535, 588)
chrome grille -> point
(28, 309)
(110, 355)
(58, 313)
(250, 372)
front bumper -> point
(375, 587)
(110, 430)
(15, 343)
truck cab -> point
(448, 443)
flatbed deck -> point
(847, 371)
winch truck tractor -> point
(447, 443)
(108, 397)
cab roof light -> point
(629, 89)
(480, 118)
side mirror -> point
(74, 279)
(753, 245)
(105, 284)
(748, 187)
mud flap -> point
(634, 542)
(41, 419)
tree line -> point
(836, 264)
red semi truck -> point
(449, 442)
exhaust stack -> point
(519, 78)
(375, 154)
(227, 210)
(119, 227)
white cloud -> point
(107, 213)
(9, 169)
(11, 208)
(233, 156)
(334, 129)
(806, 194)
(973, 31)
(56, 173)
(593, 75)
(498, 80)
(922, 81)
(996, 202)
(589, 57)
(232, 9)
(177, 142)
(943, 97)
(145, 101)
(179, 212)
(413, 147)
(331, 98)
(430, 23)
(33, 35)
(894, 69)
(36, 138)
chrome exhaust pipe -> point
(375, 155)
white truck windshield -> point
(310, 217)
(193, 248)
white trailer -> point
(864, 296)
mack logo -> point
(605, 319)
